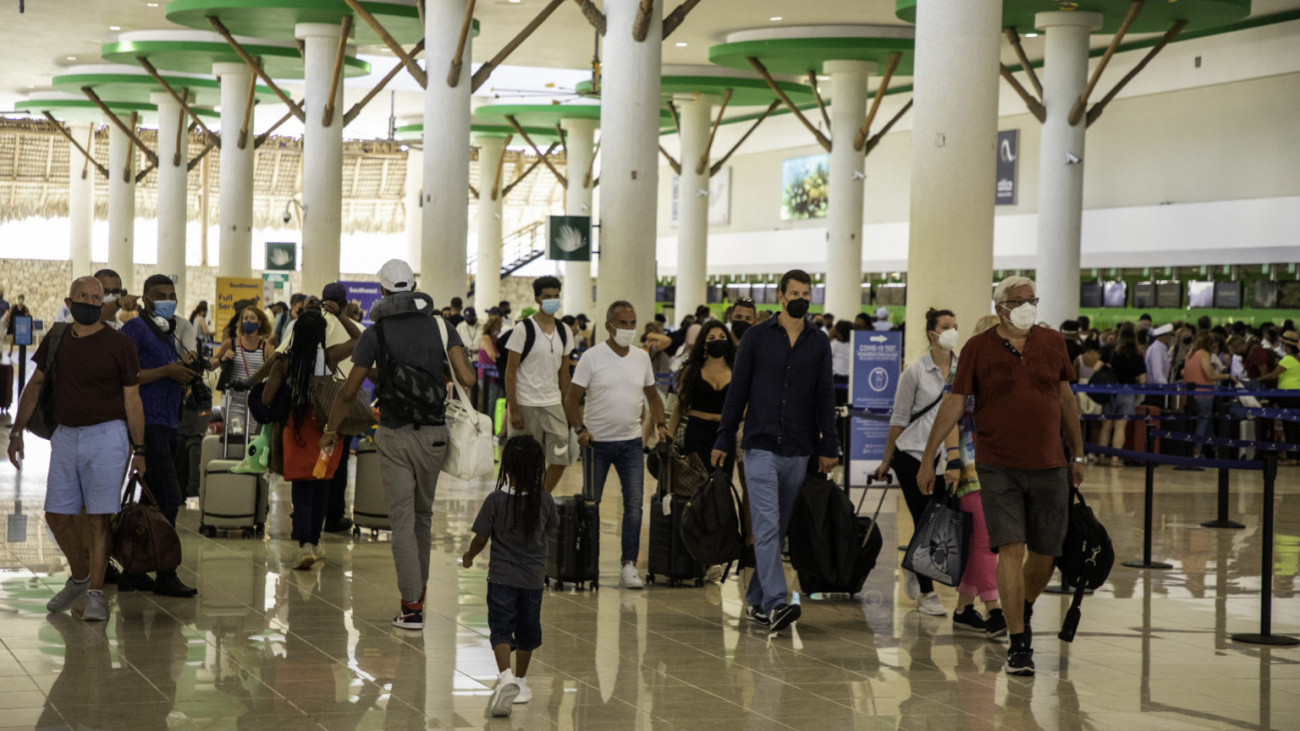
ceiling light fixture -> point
(681, 45)
(115, 27)
(72, 58)
(775, 18)
(1031, 35)
(151, 5)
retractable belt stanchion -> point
(1265, 635)
(1222, 521)
(1146, 562)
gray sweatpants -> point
(410, 461)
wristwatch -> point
(138, 450)
(1079, 460)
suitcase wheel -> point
(595, 585)
(374, 532)
(259, 529)
(356, 530)
(207, 530)
(650, 578)
(246, 533)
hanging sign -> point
(234, 289)
(1008, 153)
(281, 256)
(569, 238)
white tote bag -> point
(470, 450)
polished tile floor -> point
(265, 647)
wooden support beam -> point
(564, 139)
(703, 164)
(641, 27)
(340, 53)
(484, 71)
(501, 165)
(860, 140)
(586, 179)
(181, 152)
(677, 117)
(1100, 106)
(593, 15)
(181, 99)
(674, 19)
(520, 178)
(473, 191)
(672, 162)
(1080, 104)
(128, 129)
(64, 131)
(392, 74)
(458, 60)
(249, 102)
(875, 139)
(389, 41)
(1014, 38)
(256, 66)
(1036, 107)
(419, 12)
(545, 157)
(821, 103)
(202, 154)
(822, 139)
(262, 138)
(718, 165)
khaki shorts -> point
(550, 427)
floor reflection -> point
(265, 647)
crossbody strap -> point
(446, 351)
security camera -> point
(287, 215)
(1072, 159)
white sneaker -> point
(631, 577)
(931, 605)
(318, 551)
(911, 585)
(305, 559)
(504, 696)
(71, 592)
(525, 692)
(96, 608)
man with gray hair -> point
(617, 380)
(1020, 375)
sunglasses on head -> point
(745, 302)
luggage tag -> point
(668, 504)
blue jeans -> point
(1204, 406)
(628, 460)
(774, 483)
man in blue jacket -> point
(785, 364)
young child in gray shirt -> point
(516, 517)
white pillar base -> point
(844, 248)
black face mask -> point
(797, 308)
(717, 348)
(471, 320)
(738, 328)
(85, 313)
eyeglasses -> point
(1013, 304)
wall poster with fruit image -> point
(804, 185)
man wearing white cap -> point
(1157, 356)
(405, 351)
(882, 320)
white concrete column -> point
(121, 206)
(445, 237)
(173, 191)
(414, 219)
(581, 138)
(844, 249)
(487, 283)
(954, 136)
(629, 121)
(693, 206)
(322, 159)
(81, 200)
(236, 222)
(1060, 167)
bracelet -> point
(15, 434)
(138, 451)
(953, 464)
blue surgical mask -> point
(249, 327)
(550, 307)
(165, 309)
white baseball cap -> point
(882, 313)
(1162, 330)
(396, 276)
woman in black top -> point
(1130, 369)
(701, 391)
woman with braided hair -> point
(306, 359)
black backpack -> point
(1085, 561)
(710, 523)
(1103, 376)
(530, 337)
(407, 393)
(823, 535)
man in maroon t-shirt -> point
(1020, 377)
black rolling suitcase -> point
(573, 554)
(869, 544)
(669, 559)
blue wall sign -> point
(877, 361)
(22, 331)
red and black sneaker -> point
(411, 616)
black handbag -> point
(941, 544)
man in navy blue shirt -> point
(785, 364)
(163, 342)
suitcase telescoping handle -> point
(889, 480)
(587, 454)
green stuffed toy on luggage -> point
(259, 454)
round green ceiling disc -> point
(276, 18)
(83, 110)
(540, 135)
(800, 55)
(1156, 17)
(197, 57)
(745, 92)
(130, 87)
(547, 115)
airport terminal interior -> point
(659, 165)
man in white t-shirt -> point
(537, 377)
(617, 380)
(882, 320)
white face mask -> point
(110, 299)
(625, 338)
(948, 339)
(1024, 316)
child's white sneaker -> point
(525, 692)
(504, 696)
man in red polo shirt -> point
(1020, 376)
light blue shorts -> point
(87, 465)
